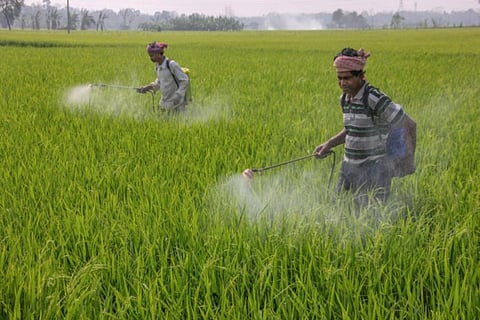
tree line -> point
(47, 16)
(14, 13)
(194, 21)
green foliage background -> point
(116, 211)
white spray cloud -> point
(109, 101)
(78, 95)
(272, 195)
(299, 198)
(124, 101)
(291, 22)
(210, 109)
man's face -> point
(349, 83)
(156, 57)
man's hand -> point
(144, 89)
(321, 151)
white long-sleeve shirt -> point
(173, 95)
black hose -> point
(334, 160)
(153, 100)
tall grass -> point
(112, 210)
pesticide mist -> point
(78, 95)
(273, 196)
(129, 103)
(291, 22)
(108, 101)
(299, 198)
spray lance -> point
(103, 85)
(114, 86)
(249, 173)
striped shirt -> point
(366, 138)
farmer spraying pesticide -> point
(171, 81)
(368, 118)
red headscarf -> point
(347, 63)
(156, 47)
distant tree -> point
(338, 18)
(353, 20)
(11, 10)
(150, 26)
(36, 20)
(422, 24)
(396, 20)
(342, 19)
(72, 21)
(101, 21)
(199, 22)
(158, 19)
(86, 20)
(54, 18)
(46, 3)
(164, 16)
(128, 15)
(23, 21)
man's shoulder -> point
(171, 63)
(373, 95)
(372, 90)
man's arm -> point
(334, 141)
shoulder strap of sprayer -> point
(366, 93)
(173, 74)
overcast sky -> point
(249, 8)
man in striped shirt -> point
(367, 118)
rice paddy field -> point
(110, 209)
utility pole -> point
(68, 16)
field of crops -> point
(112, 210)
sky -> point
(248, 8)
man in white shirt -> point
(171, 81)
